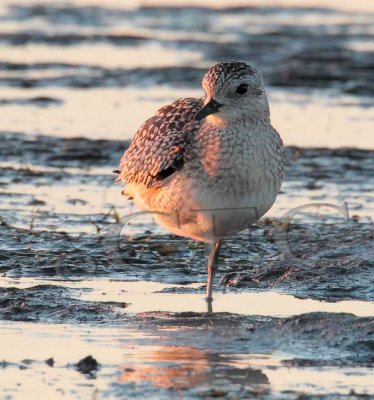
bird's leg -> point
(212, 269)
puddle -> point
(106, 56)
(145, 296)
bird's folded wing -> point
(158, 148)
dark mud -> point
(297, 335)
(290, 55)
(336, 262)
(60, 152)
(87, 365)
(52, 303)
(33, 101)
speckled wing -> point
(158, 148)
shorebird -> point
(208, 168)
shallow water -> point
(146, 296)
(293, 307)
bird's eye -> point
(241, 89)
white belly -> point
(206, 211)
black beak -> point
(210, 108)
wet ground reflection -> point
(183, 368)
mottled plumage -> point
(159, 146)
(208, 167)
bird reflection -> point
(186, 366)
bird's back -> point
(158, 148)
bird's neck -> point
(256, 110)
(221, 120)
(218, 121)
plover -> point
(208, 168)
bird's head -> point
(234, 91)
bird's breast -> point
(237, 162)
